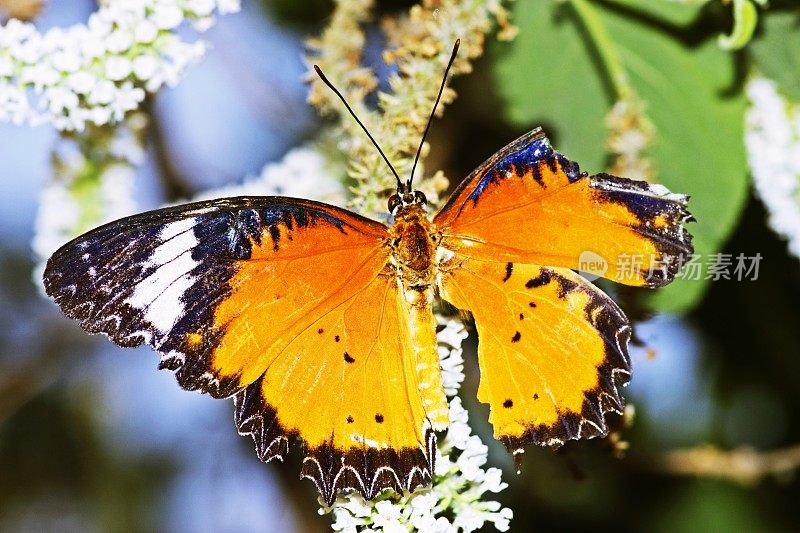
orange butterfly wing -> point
(530, 204)
(552, 347)
(351, 387)
(261, 297)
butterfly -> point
(319, 321)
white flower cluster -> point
(454, 501)
(62, 217)
(98, 71)
(303, 172)
(772, 138)
(85, 192)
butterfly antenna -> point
(371, 138)
(433, 111)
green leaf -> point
(776, 52)
(546, 77)
(549, 75)
(671, 12)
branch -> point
(743, 465)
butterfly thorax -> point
(413, 242)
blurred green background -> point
(92, 437)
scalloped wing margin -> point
(368, 471)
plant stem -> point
(605, 47)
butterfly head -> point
(405, 199)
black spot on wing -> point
(536, 172)
(509, 271)
(275, 233)
(544, 277)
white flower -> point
(66, 60)
(97, 58)
(450, 339)
(144, 67)
(39, 76)
(201, 8)
(27, 52)
(82, 82)
(52, 231)
(103, 92)
(302, 174)
(387, 517)
(469, 519)
(6, 67)
(203, 24)
(145, 32)
(119, 41)
(127, 98)
(118, 68)
(502, 519)
(60, 213)
(228, 6)
(345, 521)
(772, 139)
(473, 458)
(493, 480)
(357, 507)
(92, 47)
(99, 115)
(60, 99)
(459, 431)
(167, 16)
(116, 190)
